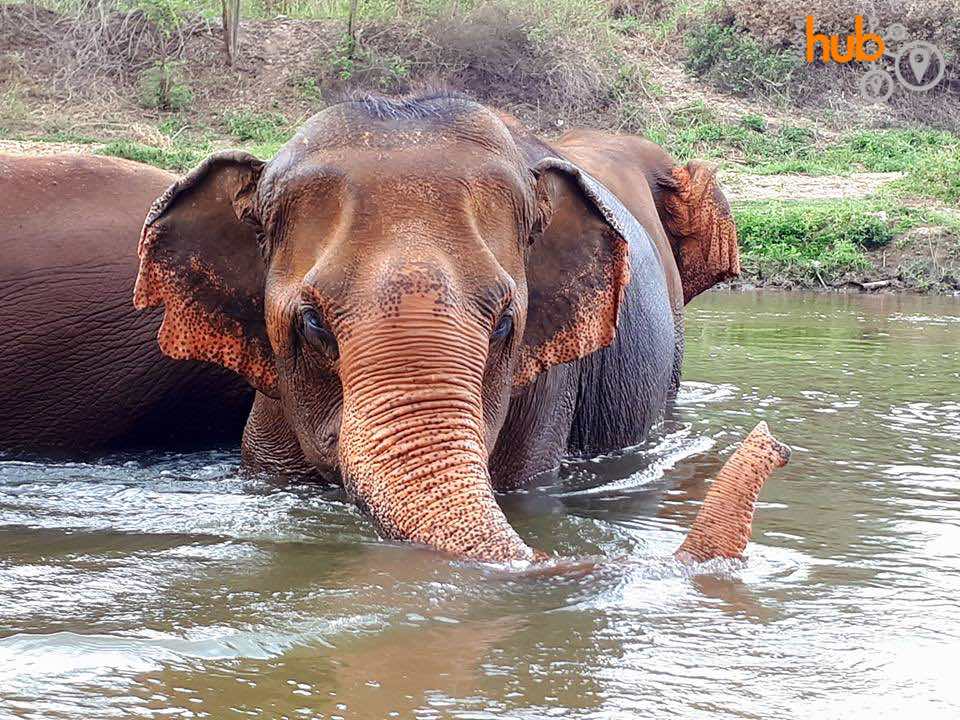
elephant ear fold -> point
(578, 268)
(200, 260)
(702, 232)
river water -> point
(173, 587)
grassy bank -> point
(905, 236)
(929, 160)
(147, 80)
(874, 242)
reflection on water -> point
(173, 587)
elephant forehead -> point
(426, 175)
(351, 208)
(383, 124)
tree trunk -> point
(231, 26)
(352, 26)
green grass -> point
(261, 134)
(806, 237)
(248, 126)
(930, 159)
(694, 133)
(825, 238)
(659, 21)
(937, 177)
(178, 158)
(51, 136)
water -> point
(173, 587)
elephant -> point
(434, 304)
(80, 367)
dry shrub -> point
(780, 22)
(496, 52)
(642, 9)
(724, 54)
(101, 43)
(778, 26)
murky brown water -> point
(170, 587)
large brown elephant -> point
(80, 369)
(433, 304)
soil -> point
(278, 55)
(29, 147)
(741, 186)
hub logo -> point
(917, 65)
(855, 48)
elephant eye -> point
(504, 326)
(316, 332)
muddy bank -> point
(925, 260)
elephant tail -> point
(722, 527)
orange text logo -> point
(854, 48)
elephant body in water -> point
(80, 369)
(433, 304)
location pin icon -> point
(919, 62)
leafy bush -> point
(818, 235)
(161, 87)
(166, 15)
(352, 63)
(754, 122)
(728, 57)
(247, 126)
(308, 88)
(937, 176)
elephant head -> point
(388, 279)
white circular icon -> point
(895, 33)
(918, 56)
(876, 86)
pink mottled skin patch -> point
(191, 331)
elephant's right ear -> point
(199, 258)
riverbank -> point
(860, 231)
(820, 203)
(875, 243)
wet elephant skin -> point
(433, 303)
(80, 367)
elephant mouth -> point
(329, 476)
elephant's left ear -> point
(200, 259)
(578, 268)
(702, 232)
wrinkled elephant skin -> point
(433, 303)
(80, 367)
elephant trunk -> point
(412, 439)
(722, 527)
